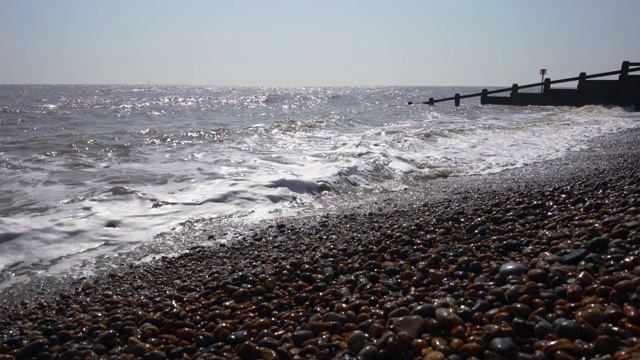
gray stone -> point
(447, 318)
(598, 243)
(300, 336)
(575, 256)
(503, 346)
(356, 341)
(332, 316)
(512, 268)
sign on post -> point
(543, 72)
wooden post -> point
(547, 85)
(457, 99)
(581, 79)
(483, 97)
(624, 72)
(431, 101)
(514, 89)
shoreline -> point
(535, 262)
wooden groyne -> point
(624, 91)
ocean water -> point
(92, 177)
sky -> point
(313, 43)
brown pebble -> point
(604, 344)
(603, 291)
(317, 326)
(438, 342)
(376, 330)
(502, 317)
(628, 325)
(187, 334)
(399, 312)
(403, 340)
(592, 315)
(107, 335)
(418, 344)
(455, 344)
(269, 354)
(574, 293)
(412, 325)
(588, 331)
(613, 314)
(537, 275)
(249, 350)
(434, 355)
(585, 278)
(631, 313)
(458, 331)
(564, 345)
(340, 308)
(625, 286)
(471, 349)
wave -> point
(6, 110)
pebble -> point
(368, 352)
(412, 325)
(567, 329)
(599, 243)
(356, 341)
(31, 350)
(560, 345)
(447, 318)
(512, 269)
(503, 346)
(575, 256)
(300, 336)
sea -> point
(95, 177)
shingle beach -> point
(540, 262)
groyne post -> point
(514, 89)
(581, 80)
(457, 99)
(547, 85)
(431, 101)
(483, 96)
(624, 72)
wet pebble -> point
(512, 269)
(503, 346)
(447, 318)
(356, 341)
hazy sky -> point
(328, 42)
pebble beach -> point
(540, 262)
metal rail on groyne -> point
(546, 97)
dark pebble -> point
(598, 243)
(300, 336)
(503, 346)
(31, 350)
(575, 256)
(155, 355)
(567, 329)
(425, 310)
(512, 268)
